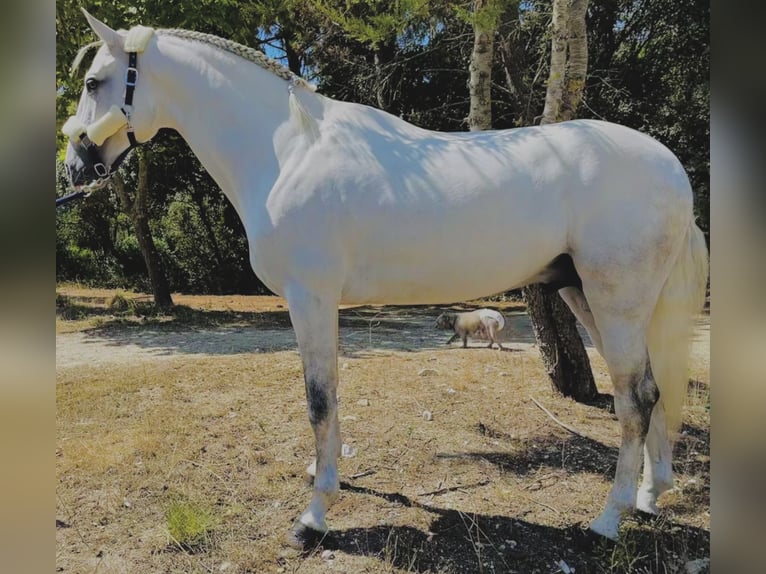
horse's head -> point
(445, 321)
(115, 112)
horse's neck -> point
(233, 114)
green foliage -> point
(487, 17)
(620, 556)
(209, 256)
(197, 232)
(121, 305)
(374, 22)
(421, 77)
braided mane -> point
(246, 52)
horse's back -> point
(414, 165)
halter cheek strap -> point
(131, 77)
(136, 41)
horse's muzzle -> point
(84, 173)
(85, 165)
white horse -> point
(343, 203)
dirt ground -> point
(453, 466)
(363, 330)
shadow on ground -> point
(570, 455)
(456, 541)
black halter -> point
(131, 77)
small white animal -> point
(482, 323)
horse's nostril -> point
(75, 176)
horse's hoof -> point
(606, 527)
(646, 502)
(648, 507)
(304, 538)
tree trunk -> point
(577, 45)
(557, 73)
(554, 325)
(136, 210)
(382, 56)
(480, 68)
(561, 346)
(294, 62)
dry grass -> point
(220, 442)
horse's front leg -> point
(315, 320)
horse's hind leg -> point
(315, 320)
(658, 470)
(635, 394)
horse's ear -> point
(110, 37)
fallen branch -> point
(542, 504)
(557, 421)
(452, 488)
(361, 474)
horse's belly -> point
(422, 290)
(417, 275)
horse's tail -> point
(670, 328)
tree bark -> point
(554, 325)
(557, 73)
(382, 56)
(577, 46)
(294, 61)
(137, 212)
(480, 69)
(561, 347)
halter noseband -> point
(86, 140)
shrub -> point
(189, 525)
(122, 305)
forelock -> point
(81, 53)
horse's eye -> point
(91, 84)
